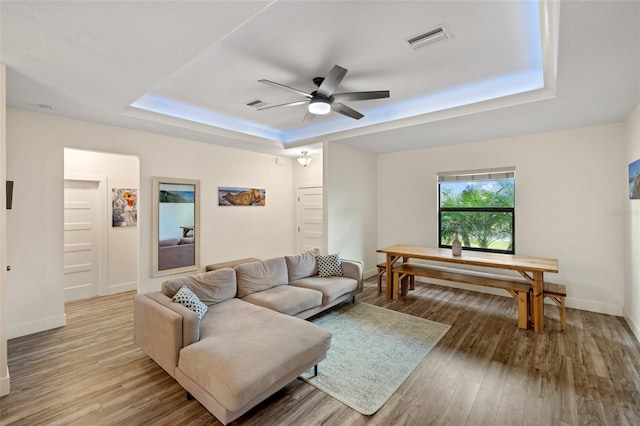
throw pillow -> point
(329, 266)
(188, 299)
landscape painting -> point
(634, 180)
(232, 196)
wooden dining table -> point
(532, 269)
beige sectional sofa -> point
(253, 339)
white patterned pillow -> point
(329, 266)
(188, 299)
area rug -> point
(373, 350)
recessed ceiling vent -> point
(430, 37)
(257, 103)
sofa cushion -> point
(259, 276)
(329, 266)
(330, 287)
(286, 299)
(185, 240)
(210, 287)
(168, 242)
(245, 348)
(230, 263)
(302, 265)
(186, 298)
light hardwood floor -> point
(485, 371)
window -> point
(479, 208)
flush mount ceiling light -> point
(304, 160)
(319, 106)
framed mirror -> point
(176, 226)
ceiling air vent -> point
(432, 36)
(257, 103)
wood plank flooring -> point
(485, 371)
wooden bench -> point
(557, 293)
(382, 270)
(517, 289)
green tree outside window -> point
(481, 213)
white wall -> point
(567, 194)
(122, 244)
(350, 204)
(35, 144)
(631, 215)
(4, 370)
(173, 215)
(310, 175)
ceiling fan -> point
(323, 100)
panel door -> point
(81, 240)
(310, 223)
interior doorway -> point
(94, 235)
(309, 219)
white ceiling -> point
(187, 68)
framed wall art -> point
(634, 180)
(233, 196)
(124, 207)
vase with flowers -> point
(456, 245)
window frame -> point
(471, 176)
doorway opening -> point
(101, 255)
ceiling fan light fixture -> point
(319, 106)
(304, 160)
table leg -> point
(396, 285)
(537, 302)
(391, 259)
(389, 284)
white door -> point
(309, 219)
(81, 239)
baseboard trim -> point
(591, 306)
(370, 273)
(120, 288)
(5, 383)
(31, 327)
(635, 328)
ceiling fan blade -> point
(284, 105)
(361, 96)
(331, 81)
(282, 86)
(308, 117)
(345, 110)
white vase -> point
(456, 247)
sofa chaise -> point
(253, 339)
